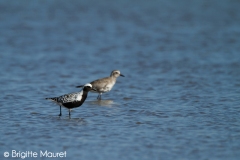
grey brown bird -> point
(72, 100)
(104, 85)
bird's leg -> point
(98, 96)
(60, 114)
(69, 113)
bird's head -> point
(116, 73)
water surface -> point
(179, 98)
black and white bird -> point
(72, 100)
(104, 85)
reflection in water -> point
(105, 103)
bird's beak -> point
(122, 75)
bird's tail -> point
(52, 99)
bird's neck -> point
(85, 92)
(113, 77)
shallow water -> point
(179, 98)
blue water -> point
(179, 98)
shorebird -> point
(72, 100)
(104, 85)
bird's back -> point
(71, 100)
(103, 84)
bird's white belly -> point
(108, 87)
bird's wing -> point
(100, 83)
(69, 97)
(97, 83)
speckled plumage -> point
(68, 98)
(72, 100)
